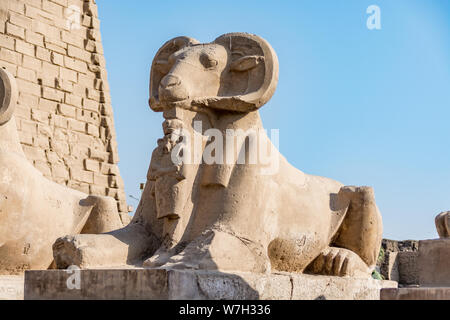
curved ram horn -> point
(161, 66)
(251, 77)
(8, 96)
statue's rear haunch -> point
(231, 216)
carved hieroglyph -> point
(232, 215)
(35, 211)
(443, 224)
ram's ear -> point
(8, 96)
(246, 63)
(161, 66)
(251, 76)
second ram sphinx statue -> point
(230, 215)
(443, 224)
(34, 211)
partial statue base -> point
(423, 293)
(125, 284)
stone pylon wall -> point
(64, 114)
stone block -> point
(72, 40)
(28, 126)
(29, 87)
(433, 263)
(100, 179)
(92, 130)
(82, 187)
(43, 167)
(66, 110)
(20, 20)
(10, 56)
(39, 116)
(62, 148)
(60, 2)
(53, 94)
(57, 58)
(91, 46)
(88, 116)
(415, 294)
(73, 100)
(98, 154)
(52, 8)
(15, 31)
(56, 42)
(90, 9)
(60, 171)
(91, 105)
(26, 74)
(78, 53)
(407, 267)
(45, 29)
(6, 42)
(148, 284)
(75, 64)
(26, 138)
(17, 6)
(92, 165)
(60, 121)
(78, 174)
(64, 85)
(37, 14)
(22, 112)
(51, 45)
(25, 48)
(50, 70)
(33, 153)
(34, 38)
(97, 190)
(110, 169)
(28, 100)
(68, 75)
(47, 105)
(31, 63)
(11, 68)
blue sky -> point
(365, 107)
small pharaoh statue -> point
(167, 175)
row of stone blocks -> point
(433, 274)
(160, 284)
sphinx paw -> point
(339, 262)
(158, 259)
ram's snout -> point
(171, 89)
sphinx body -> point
(35, 211)
(231, 216)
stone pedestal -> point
(442, 293)
(176, 284)
(433, 263)
(11, 287)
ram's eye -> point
(207, 61)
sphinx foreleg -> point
(361, 230)
(355, 247)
